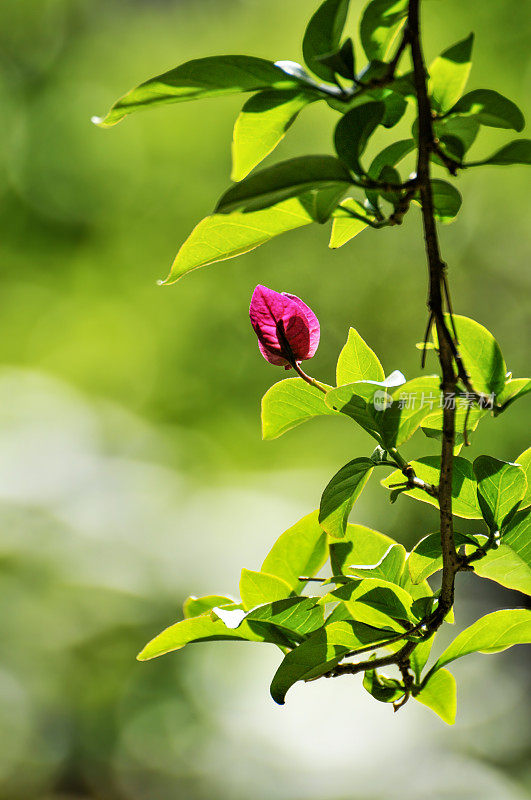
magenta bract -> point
(287, 329)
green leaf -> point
(380, 25)
(223, 236)
(481, 355)
(355, 400)
(524, 460)
(490, 108)
(465, 129)
(510, 564)
(517, 152)
(320, 652)
(341, 60)
(261, 125)
(440, 694)
(203, 77)
(449, 74)
(411, 403)
(432, 425)
(354, 130)
(257, 588)
(203, 628)
(349, 219)
(196, 606)
(389, 567)
(382, 688)
(323, 36)
(299, 615)
(389, 157)
(426, 557)
(301, 550)
(513, 389)
(464, 496)
(446, 200)
(357, 362)
(490, 634)
(420, 655)
(391, 601)
(501, 487)
(341, 493)
(281, 181)
(289, 403)
(360, 545)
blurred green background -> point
(131, 467)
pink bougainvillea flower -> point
(288, 331)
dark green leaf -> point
(517, 152)
(389, 157)
(380, 25)
(289, 403)
(490, 634)
(463, 128)
(203, 77)
(301, 550)
(281, 181)
(261, 125)
(446, 200)
(449, 74)
(323, 36)
(382, 688)
(257, 588)
(464, 495)
(354, 130)
(357, 362)
(341, 493)
(440, 694)
(490, 108)
(320, 652)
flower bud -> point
(287, 330)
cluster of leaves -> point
(374, 597)
(317, 188)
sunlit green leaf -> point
(287, 179)
(289, 403)
(298, 615)
(360, 545)
(449, 74)
(464, 496)
(323, 36)
(357, 362)
(195, 606)
(426, 557)
(386, 597)
(513, 389)
(524, 460)
(203, 77)
(490, 108)
(320, 652)
(380, 26)
(354, 130)
(341, 493)
(490, 634)
(301, 550)
(223, 236)
(257, 588)
(440, 694)
(389, 567)
(261, 125)
(501, 487)
(349, 219)
(204, 628)
(412, 402)
(420, 655)
(510, 563)
(481, 355)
